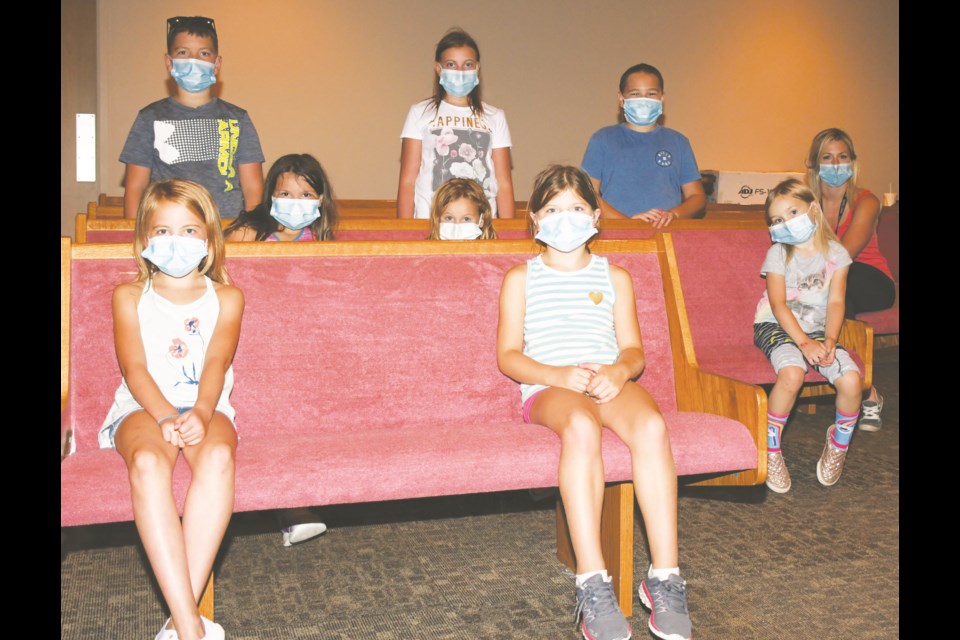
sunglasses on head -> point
(190, 23)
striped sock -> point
(844, 431)
(774, 427)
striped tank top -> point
(569, 317)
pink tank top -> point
(870, 254)
(305, 234)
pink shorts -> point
(528, 405)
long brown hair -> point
(307, 167)
(456, 37)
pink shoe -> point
(778, 478)
(830, 464)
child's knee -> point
(849, 384)
(217, 457)
(790, 379)
(649, 431)
(581, 431)
(149, 464)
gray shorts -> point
(789, 355)
(782, 352)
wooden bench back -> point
(719, 274)
(112, 207)
(121, 230)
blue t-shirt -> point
(640, 171)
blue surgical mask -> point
(460, 230)
(642, 111)
(836, 174)
(796, 230)
(193, 75)
(566, 230)
(459, 83)
(176, 256)
(295, 213)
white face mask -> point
(461, 230)
(176, 256)
(193, 75)
(459, 83)
(642, 111)
(566, 230)
(295, 213)
(796, 230)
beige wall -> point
(748, 81)
(78, 94)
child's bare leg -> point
(575, 418)
(634, 417)
(150, 461)
(849, 389)
(785, 391)
(209, 502)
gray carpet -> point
(814, 563)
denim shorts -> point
(110, 431)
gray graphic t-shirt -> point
(206, 145)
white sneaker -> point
(297, 533)
(212, 630)
(167, 634)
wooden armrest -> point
(856, 335)
(723, 396)
(699, 390)
(66, 432)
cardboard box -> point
(744, 187)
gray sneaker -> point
(667, 601)
(870, 414)
(598, 612)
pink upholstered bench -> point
(367, 372)
(883, 322)
(719, 274)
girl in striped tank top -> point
(568, 332)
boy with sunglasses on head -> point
(193, 134)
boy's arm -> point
(135, 180)
(251, 183)
(607, 210)
(694, 200)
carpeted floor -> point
(814, 563)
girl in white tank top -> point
(176, 329)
